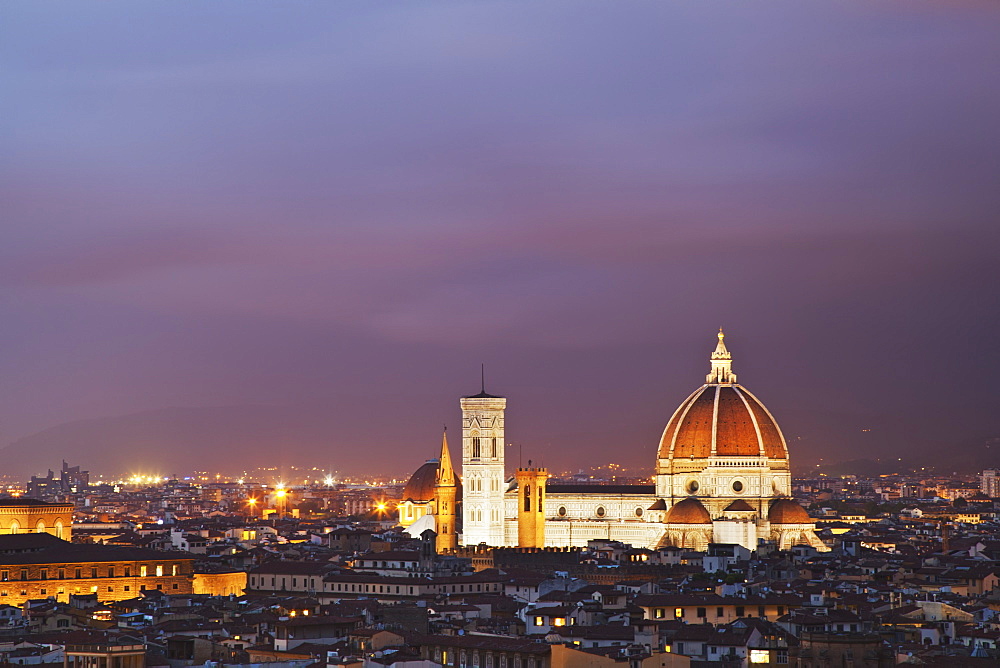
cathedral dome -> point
(688, 511)
(420, 486)
(722, 419)
(787, 511)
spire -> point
(722, 364)
(446, 472)
(482, 386)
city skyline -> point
(298, 234)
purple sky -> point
(346, 207)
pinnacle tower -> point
(445, 499)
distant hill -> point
(353, 437)
(173, 440)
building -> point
(34, 566)
(34, 516)
(105, 655)
(219, 581)
(71, 479)
(431, 500)
(462, 651)
(721, 476)
(990, 483)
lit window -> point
(159, 570)
(760, 656)
(678, 613)
(539, 621)
(558, 621)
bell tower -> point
(531, 506)
(483, 479)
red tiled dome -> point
(787, 511)
(722, 420)
(688, 511)
(420, 486)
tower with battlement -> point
(531, 506)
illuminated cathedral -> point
(721, 476)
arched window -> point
(59, 529)
(15, 527)
(476, 448)
(40, 527)
(495, 447)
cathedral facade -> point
(721, 475)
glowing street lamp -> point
(281, 494)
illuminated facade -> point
(223, 582)
(38, 566)
(483, 478)
(34, 516)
